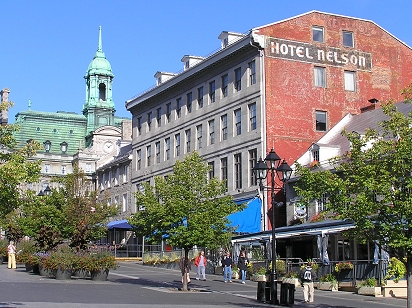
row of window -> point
(236, 169)
(47, 146)
(223, 132)
(63, 169)
(234, 172)
(116, 201)
(107, 180)
(318, 35)
(320, 78)
(211, 95)
(54, 130)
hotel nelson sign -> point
(305, 52)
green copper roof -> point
(99, 64)
(55, 127)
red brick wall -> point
(292, 98)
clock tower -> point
(99, 107)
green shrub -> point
(369, 282)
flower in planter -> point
(369, 282)
(343, 265)
(27, 252)
(314, 164)
(62, 257)
(99, 261)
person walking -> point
(11, 250)
(201, 262)
(227, 267)
(308, 275)
(242, 264)
(183, 264)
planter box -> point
(328, 286)
(395, 289)
(258, 278)
(295, 281)
(374, 291)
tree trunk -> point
(185, 270)
(409, 282)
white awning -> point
(307, 229)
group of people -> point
(227, 263)
(307, 274)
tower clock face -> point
(108, 147)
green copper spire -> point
(99, 107)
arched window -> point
(102, 92)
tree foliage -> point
(185, 207)
(84, 218)
(71, 212)
(15, 167)
(371, 184)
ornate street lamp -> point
(274, 167)
(47, 190)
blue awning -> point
(119, 224)
(248, 220)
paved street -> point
(135, 285)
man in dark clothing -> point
(227, 267)
(307, 275)
(242, 264)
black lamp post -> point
(45, 192)
(283, 171)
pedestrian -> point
(242, 264)
(183, 264)
(200, 262)
(11, 250)
(227, 267)
(307, 276)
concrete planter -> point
(294, 281)
(257, 278)
(373, 291)
(395, 289)
(327, 286)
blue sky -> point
(47, 45)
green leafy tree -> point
(84, 218)
(372, 184)
(16, 168)
(40, 218)
(185, 207)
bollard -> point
(283, 294)
(260, 291)
(267, 291)
(291, 294)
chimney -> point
(4, 113)
(372, 106)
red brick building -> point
(307, 59)
(281, 86)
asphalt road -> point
(135, 285)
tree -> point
(372, 184)
(15, 167)
(84, 218)
(185, 207)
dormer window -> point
(315, 152)
(47, 145)
(63, 146)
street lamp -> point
(273, 165)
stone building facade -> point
(281, 86)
